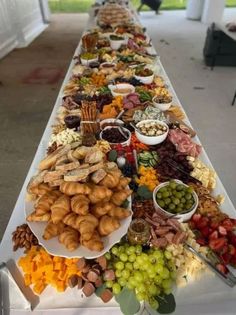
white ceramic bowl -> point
(87, 62)
(124, 144)
(110, 121)
(151, 140)
(116, 44)
(121, 86)
(162, 106)
(145, 80)
(181, 217)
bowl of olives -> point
(175, 198)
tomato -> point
(217, 244)
(214, 235)
(228, 224)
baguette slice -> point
(76, 175)
(98, 175)
(56, 182)
(53, 175)
(96, 167)
(51, 159)
(67, 167)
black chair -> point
(153, 4)
(234, 99)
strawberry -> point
(222, 230)
(226, 258)
(205, 231)
(214, 235)
(214, 224)
(232, 238)
(228, 224)
(196, 217)
(217, 244)
(201, 241)
(221, 268)
(224, 250)
(202, 222)
(231, 250)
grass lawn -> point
(74, 6)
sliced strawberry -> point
(232, 238)
(231, 250)
(202, 222)
(214, 235)
(222, 230)
(201, 241)
(196, 217)
(228, 224)
(221, 268)
(205, 231)
(214, 225)
(226, 258)
(217, 244)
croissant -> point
(120, 196)
(80, 204)
(40, 189)
(95, 243)
(123, 183)
(45, 202)
(86, 224)
(107, 225)
(70, 219)
(53, 230)
(70, 238)
(119, 213)
(99, 193)
(112, 179)
(73, 188)
(101, 208)
(34, 217)
(60, 208)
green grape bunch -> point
(149, 273)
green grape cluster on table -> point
(149, 273)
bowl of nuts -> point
(116, 135)
(163, 102)
(151, 131)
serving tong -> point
(227, 277)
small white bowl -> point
(162, 106)
(110, 121)
(180, 217)
(121, 86)
(87, 62)
(116, 44)
(151, 140)
(145, 80)
(124, 144)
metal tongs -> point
(227, 277)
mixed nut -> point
(152, 128)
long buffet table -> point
(206, 296)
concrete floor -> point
(30, 79)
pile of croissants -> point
(82, 213)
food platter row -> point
(121, 204)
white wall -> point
(21, 22)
